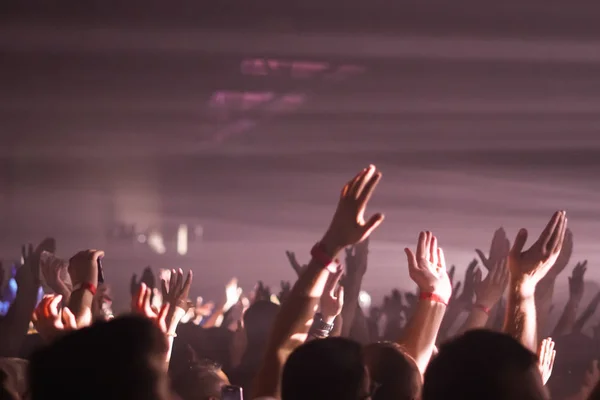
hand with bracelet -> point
(489, 291)
(427, 268)
(330, 306)
(83, 270)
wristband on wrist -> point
(319, 254)
(482, 308)
(320, 328)
(86, 286)
(432, 297)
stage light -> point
(182, 240)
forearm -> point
(421, 331)
(543, 303)
(80, 304)
(452, 313)
(217, 314)
(293, 320)
(14, 326)
(477, 319)
(351, 292)
(520, 320)
(567, 319)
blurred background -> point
(230, 126)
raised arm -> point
(527, 268)
(356, 267)
(14, 326)
(487, 293)
(427, 268)
(569, 315)
(544, 291)
(347, 228)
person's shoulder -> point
(264, 398)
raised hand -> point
(147, 278)
(546, 355)
(576, 282)
(50, 321)
(176, 294)
(55, 272)
(498, 249)
(455, 287)
(563, 258)
(284, 293)
(589, 311)
(140, 304)
(298, 269)
(332, 300)
(232, 294)
(83, 267)
(428, 267)
(348, 226)
(468, 292)
(177, 291)
(489, 291)
(262, 292)
(28, 274)
(531, 265)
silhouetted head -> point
(484, 365)
(120, 359)
(326, 369)
(396, 374)
(202, 380)
(258, 320)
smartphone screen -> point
(232, 393)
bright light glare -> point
(364, 299)
(156, 243)
(182, 240)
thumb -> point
(519, 243)
(412, 260)
(371, 225)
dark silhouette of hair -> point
(396, 373)
(200, 381)
(113, 360)
(476, 366)
(325, 369)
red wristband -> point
(432, 297)
(482, 308)
(319, 253)
(87, 286)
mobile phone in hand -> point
(230, 392)
(100, 272)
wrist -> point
(330, 246)
(90, 287)
(434, 297)
(482, 307)
(328, 319)
(522, 287)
